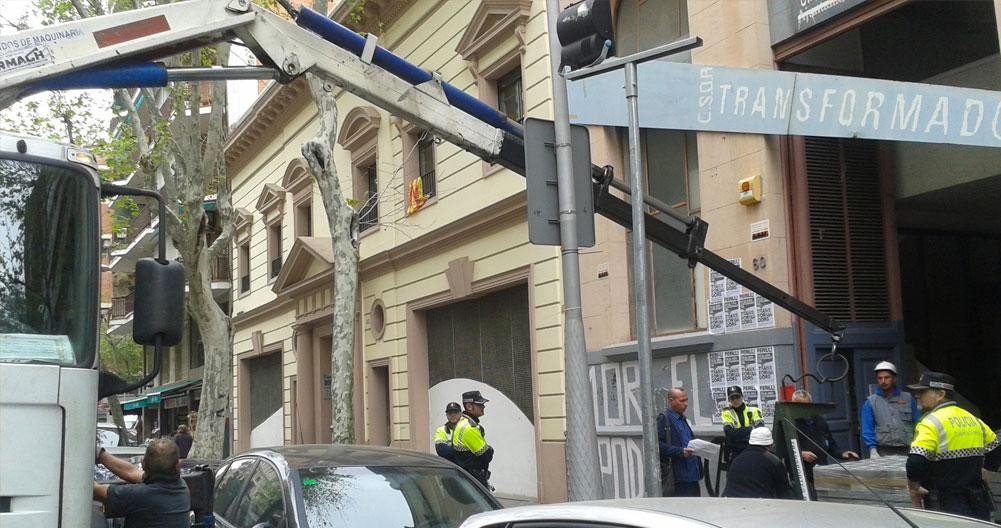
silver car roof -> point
(722, 513)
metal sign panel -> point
(716, 99)
(540, 176)
(787, 18)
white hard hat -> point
(761, 436)
(886, 365)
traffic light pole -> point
(583, 474)
(651, 453)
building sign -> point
(787, 18)
(716, 99)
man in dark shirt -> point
(183, 440)
(756, 472)
(155, 496)
(816, 442)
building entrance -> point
(925, 292)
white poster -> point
(752, 369)
(733, 309)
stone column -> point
(305, 394)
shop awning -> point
(156, 394)
(134, 403)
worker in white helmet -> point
(888, 415)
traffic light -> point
(585, 32)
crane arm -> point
(115, 50)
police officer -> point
(739, 419)
(443, 435)
(472, 453)
(944, 468)
(888, 415)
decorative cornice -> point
(360, 126)
(274, 107)
(243, 218)
(493, 21)
(304, 252)
(271, 196)
(296, 175)
(376, 15)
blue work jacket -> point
(685, 469)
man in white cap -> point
(756, 473)
(888, 415)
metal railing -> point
(222, 266)
(121, 307)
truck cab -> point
(49, 304)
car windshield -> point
(48, 264)
(389, 497)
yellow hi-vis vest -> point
(752, 417)
(468, 437)
(950, 432)
(443, 435)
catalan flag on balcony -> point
(416, 198)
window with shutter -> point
(485, 339)
(846, 228)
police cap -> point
(473, 397)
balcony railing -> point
(121, 307)
(222, 267)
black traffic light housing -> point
(585, 31)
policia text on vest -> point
(947, 456)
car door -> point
(262, 503)
(231, 480)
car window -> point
(262, 501)
(228, 488)
(389, 497)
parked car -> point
(320, 486)
(711, 512)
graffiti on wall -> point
(615, 396)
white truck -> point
(49, 197)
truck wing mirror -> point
(159, 309)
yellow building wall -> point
(427, 39)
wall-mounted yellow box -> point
(750, 190)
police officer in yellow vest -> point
(946, 461)
(472, 452)
(739, 419)
(443, 435)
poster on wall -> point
(752, 369)
(732, 308)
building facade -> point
(453, 297)
(895, 238)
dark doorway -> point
(951, 285)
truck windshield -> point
(49, 251)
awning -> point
(137, 402)
(156, 394)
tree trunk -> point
(115, 408)
(197, 161)
(343, 232)
(217, 377)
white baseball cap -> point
(761, 436)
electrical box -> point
(750, 190)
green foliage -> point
(57, 11)
(357, 13)
(121, 355)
